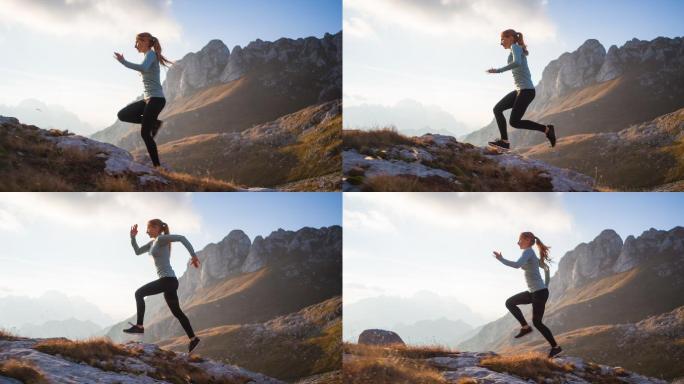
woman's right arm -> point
(139, 250)
(134, 243)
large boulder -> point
(379, 337)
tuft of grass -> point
(94, 352)
(8, 336)
(389, 371)
(398, 364)
(532, 366)
(377, 138)
(23, 371)
(466, 380)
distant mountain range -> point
(272, 304)
(215, 95)
(52, 307)
(70, 328)
(611, 110)
(409, 117)
(607, 294)
(422, 318)
(38, 113)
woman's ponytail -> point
(165, 228)
(544, 258)
(521, 42)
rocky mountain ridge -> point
(215, 64)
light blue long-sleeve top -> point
(529, 262)
(517, 62)
(149, 69)
(161, 252)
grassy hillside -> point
(638, 347)
(29, 161)
(288, 347)
(296, 147)
(641, 157)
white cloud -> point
(457, 18)
(93, 19)
(102, 211)
(358, 27)
(457, 211)
(367, 220)
(9, 222)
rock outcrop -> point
(415, 364)
(135, 363)
(445, 164)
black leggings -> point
(145, 113)
(519, 101)
(538, 301)
(169, 286)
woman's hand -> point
(498, 255)
(194, 261)
(134, 230)
(118, 56)
(491, 70)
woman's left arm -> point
(178, 238)
(547, 276)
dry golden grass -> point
(377, 138)
(23, 371)
(466, 380)
(397, 364)
(92, 351)
(7, 335)
(528, 366)
(389, 371)
(407, 351)
(30, 162)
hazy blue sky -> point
(78, 243)
(436, 52)
(398, 244)
(60, 52)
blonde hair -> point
(153, 42)
(518, 38)
(544, 259)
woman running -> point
(538, 292)
(160, 249)
(521, 97)
(147, 110)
